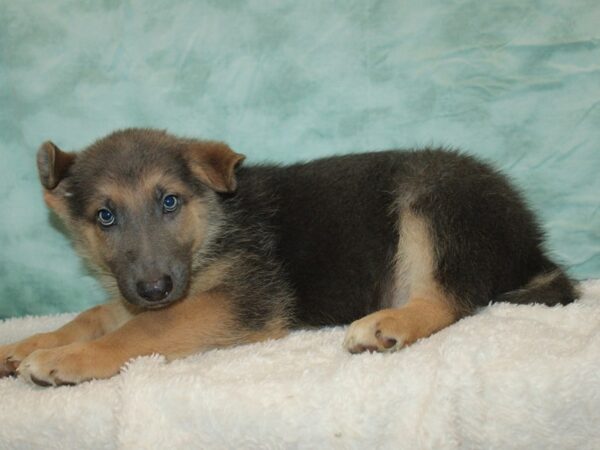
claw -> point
(39, 382)
(8, 368)
(12, 364)
(60, 382)
(363, 348)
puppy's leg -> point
(192, 325)
(88, 325)
(391, 329)
(429, 308)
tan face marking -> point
(134, 198)
(134, 195)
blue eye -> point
(105, 217)
(170, 203)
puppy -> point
(200, 252)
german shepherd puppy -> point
(201, 253)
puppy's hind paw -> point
(373, 333)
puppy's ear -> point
(214, 163)
(53, 164)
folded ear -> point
(53, 164)
(214, 163)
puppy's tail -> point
(551, 287)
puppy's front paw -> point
(12, 355)
(68, 365)
(377, 332)
(7, 364)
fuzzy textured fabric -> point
(523, 377)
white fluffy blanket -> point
(523, 377)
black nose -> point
(156, 290)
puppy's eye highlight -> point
(105, 217)
(170, 203)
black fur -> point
(331, 226)
(334, 238)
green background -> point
(516, 82)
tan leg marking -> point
(413, 262)
(391, 329)
(428, 308)
(88, 325)
(187, 327)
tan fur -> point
(543, 279)
(274, 329)
(193, 227)
(134, 195)
(420, 318)
(419, 307)
(90, 242)
(211, 276)
(56, 203)
(392, 329)
(96, 322)
(414, 261)
(88, 325)
(215, 163)
(192, 325)
(88, 238)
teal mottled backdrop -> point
(515, 81)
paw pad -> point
(386, 342)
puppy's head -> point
(139, 204)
